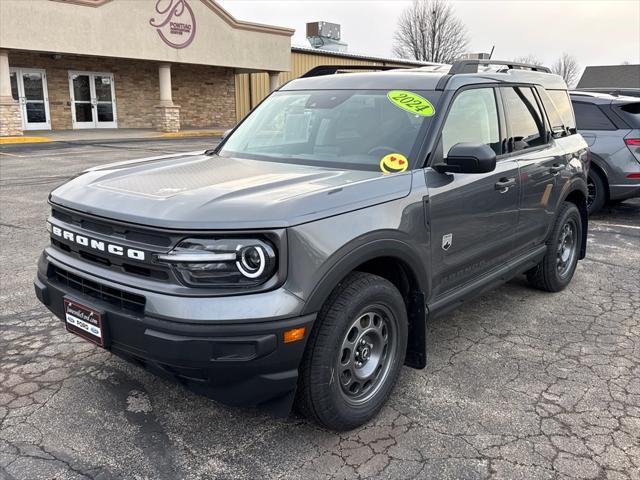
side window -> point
(555, 119)
(472, 118)
(525, 125)
(590, 117)
(560, 99)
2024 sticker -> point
(411, 102)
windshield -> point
(335, 128)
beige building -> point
(164, 64)
(119, 63)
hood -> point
(210, 192)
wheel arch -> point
(598, 165)
(400, 264)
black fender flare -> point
(360, 251)
(351, 256)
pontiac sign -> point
(176, 23)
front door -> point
(473, 217)
(29, 89)
(93, 98)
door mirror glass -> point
(468, 158)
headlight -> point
(222, 262)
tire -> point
(597, 192)
(556, 269)
(361, 307)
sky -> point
(595, 32)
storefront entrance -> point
(29, 89)
(93, 100)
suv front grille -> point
(114, 296)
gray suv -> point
(299, 261)
(611, 126)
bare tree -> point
(529, 59)
(429, 31)
(567, 67)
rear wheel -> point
(355, 353)
(597, 196)
(556, 269)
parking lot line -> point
(616, 225)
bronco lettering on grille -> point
(98, 245)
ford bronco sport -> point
(299, 260)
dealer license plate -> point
(84, 321)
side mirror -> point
(468, 158)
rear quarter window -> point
(590, 117)
(560, 99)
(630, 113)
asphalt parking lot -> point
(520, 384)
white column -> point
(5, 80)
(164, 71)
(273, 80)
(10, 115)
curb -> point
(187, 134)
(17, 140)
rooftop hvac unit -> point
(325, 36)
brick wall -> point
(206, 94)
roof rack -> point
(321, 70)
(471, 66)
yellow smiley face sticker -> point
(394, 163)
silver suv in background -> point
(611, 126)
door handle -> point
(505, 184)
(556, 169)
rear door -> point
(542, 164)
(473, 217)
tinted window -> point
(552, 112)
(472, 118)
(630, 112)
(590, 117)
(526, 127)
(560, 99)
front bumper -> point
(237, 363)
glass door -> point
(103, 101)
(29, 88)
(92, 100)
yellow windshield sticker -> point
(394, 163)
(411, 102)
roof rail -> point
(471, 66)
(321, 70)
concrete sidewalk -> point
(105, 134)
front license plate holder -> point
(84, 321)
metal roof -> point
(611, 76)
(348, 55)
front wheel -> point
(556, 269)
(355, 353)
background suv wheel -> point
(597, 191)
(355, 353)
